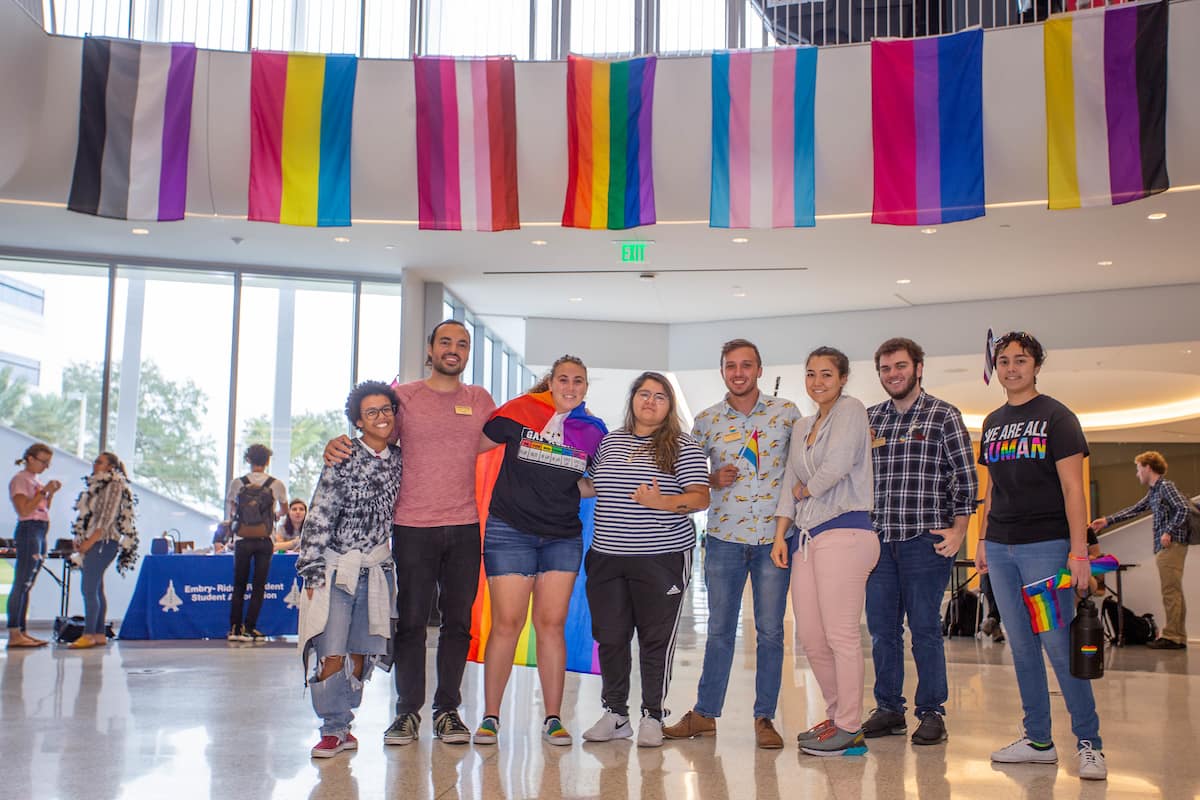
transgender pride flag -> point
(927, 126)
(762, 139)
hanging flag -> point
(582, 432)
(135, 118)
(610, 106)
(301, 115)
(927, 127)
(749, 451)
(1041, 600)
(762, 139)
(1106, 105)
(466, 144)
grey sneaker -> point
(449, 727)
(403, 729)
(650, 732)
(884, 723)
(1091, 763)
(610, 726)
(816, 730)
(932, 730)
(1022, 751)
(836, 742)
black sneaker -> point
(932, 730)
(1166, 644)
(448, 727)
(884, 723)
(403, 729)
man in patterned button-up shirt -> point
(745, 437)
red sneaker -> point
(330, 746)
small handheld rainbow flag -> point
(1041, 600)
(1104, 563)
(749, 451)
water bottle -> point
(1087, 642)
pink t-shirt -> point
(26, 483)
(439, 440)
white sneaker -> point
(610, 726)
(1091, 763)
(650, 732)
(1022, 751)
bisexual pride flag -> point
(762, 139)
(927, 128)
(301, 117)
(1106, 105)
(135, 119)
(582, 433)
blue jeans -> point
(726, 567)
(95, 562)
(31, 549)
(908, 581)
(1011, 567)
(512, 551)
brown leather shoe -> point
(691, 724)
(768, 738)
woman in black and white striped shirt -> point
(648, 476)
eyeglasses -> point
(654, 397)
(375, 413)
(44, 459)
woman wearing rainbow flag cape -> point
(1035, 523)
(533, 541)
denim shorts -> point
(348, 629)
(508, 551)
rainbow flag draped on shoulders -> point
(301, 118)
(581, 431)
(610, 173)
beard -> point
(903, 392)
(442, 369)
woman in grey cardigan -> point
(824, 522)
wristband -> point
(1074, 557)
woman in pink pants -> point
(823, 521)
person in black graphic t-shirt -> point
(1035, 523)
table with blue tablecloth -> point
(188, 597)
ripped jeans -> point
(31, 549)
(347, 632)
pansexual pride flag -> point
(1106, 105)
(1041, 600)
(927, 127)
(581, 431)
(301, 115)
(135, 117)
(466, 144)
(762, 139)
(610, 176)
(749, 451)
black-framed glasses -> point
(374, 413)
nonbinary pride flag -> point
(927, 127)
(762, 139)
(610, 175)
(1106, 105)
(135, 118)
(466, 144)
(301, 115)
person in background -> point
(1170, 537)
(103, 531)
(647, 477)
(254, 502)
(32, 500)
(1034, 524)
(823, 522)
(287, 535)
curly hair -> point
(1032, 347)
(360, 393)
(258, 455)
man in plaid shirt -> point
(1170, 509)
(926, 490)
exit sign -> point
(633, 252)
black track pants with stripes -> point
(642, 594)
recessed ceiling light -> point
(1103, 263)
(1157, 215)
(341, 239)
(904, 281)
(574, 299)
(539, 243)
(140, 231)
(928, 231)
(738, 291)
(389, 247)
(740, 240)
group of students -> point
(103, 532)
(850, 507)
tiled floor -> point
(207, 719)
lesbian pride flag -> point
(1106, 105)
(927, 126)
(135, 118)
(610, 176)
(762, 139)
(301, 115)
(466, 144)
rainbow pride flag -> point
(466, 144)
(927, 128)
(1042, 602)
(763, 173)
(301, 116)
(581, 431)
(1104, 563)
(610, 175)
(135, 117)
(1106, 105)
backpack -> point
(1137, 629)
(962, 614)
(254, 509)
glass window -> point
(503, 394)
(215, 24)
(88, 17)
(447, 310)
(488, 351)
(602, 27)
(387, 28)
(379, 332)
(314, 26)
(691, 26)
(477, 28)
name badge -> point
(465, 411)
(732, 437)
(879, 442)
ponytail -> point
(34, 450)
